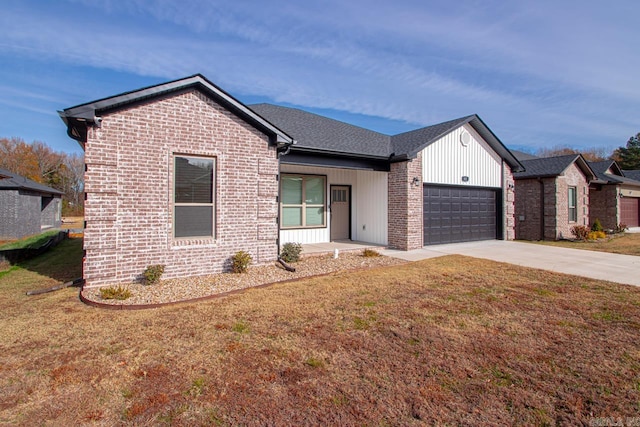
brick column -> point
(405, 205)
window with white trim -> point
(573, 204)
(193, 198)
(302, 201)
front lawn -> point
(628, 243)
(451, 340)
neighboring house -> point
(552, 196)
(26, 207)
(633, 174)
(614, 195)
(185, 175)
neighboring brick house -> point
(552, 196)
(185, 175)
(614, 195)
(27, 207)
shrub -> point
(153, 273)
(595, 235)
(597, 225)
(115, 292)
(580, 232)
(620, 228)
(370, 253)
(291, 252)
(240, 262)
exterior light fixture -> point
(416, 181)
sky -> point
(540, 74)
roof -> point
(322, 134)
(618, 176)
(13, 181)
(521, 155)
(633, 174)
(545, 167)
(81, 116)
(315, 132)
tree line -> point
(627, 156)
(38, 162)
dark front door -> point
(459, 214)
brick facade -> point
(603, 204)
(128, 184)
(405, 231)
(551, 221)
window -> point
(193, 203)
(573, 202)
(303, 201)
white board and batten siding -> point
(447, 160)
(368, 205)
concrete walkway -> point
(596, 265)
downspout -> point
(542, 225)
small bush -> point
(291, 252)
(115, 292)
(597, 225)
(580, 232)
(240, 262)
(369, 253)
(153, 273)
(595, 235)
(620, 228)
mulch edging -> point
(106, 306)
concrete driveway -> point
(596, 265)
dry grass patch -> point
(451, 340)
(628, 244)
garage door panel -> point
(630, 211)
(454, 214)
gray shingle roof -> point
(315, 132)
(18, 182)
(552, 166)
(600, 169)
(322, 134)
(521, 155)
(633, 174)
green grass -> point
(31, 241)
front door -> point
(340, 206)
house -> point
(27, 207)
(185, 175)
(614, 195)
(551, 196)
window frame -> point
(303, 205)
(212, 204)
(572, 203)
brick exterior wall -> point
(508, 203)
(572, 177)
(603, 204)
(128, 185)
(529, 212)
(405, 205)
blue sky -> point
(539, 73)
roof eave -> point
(86, 115)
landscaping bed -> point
(184, 289)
